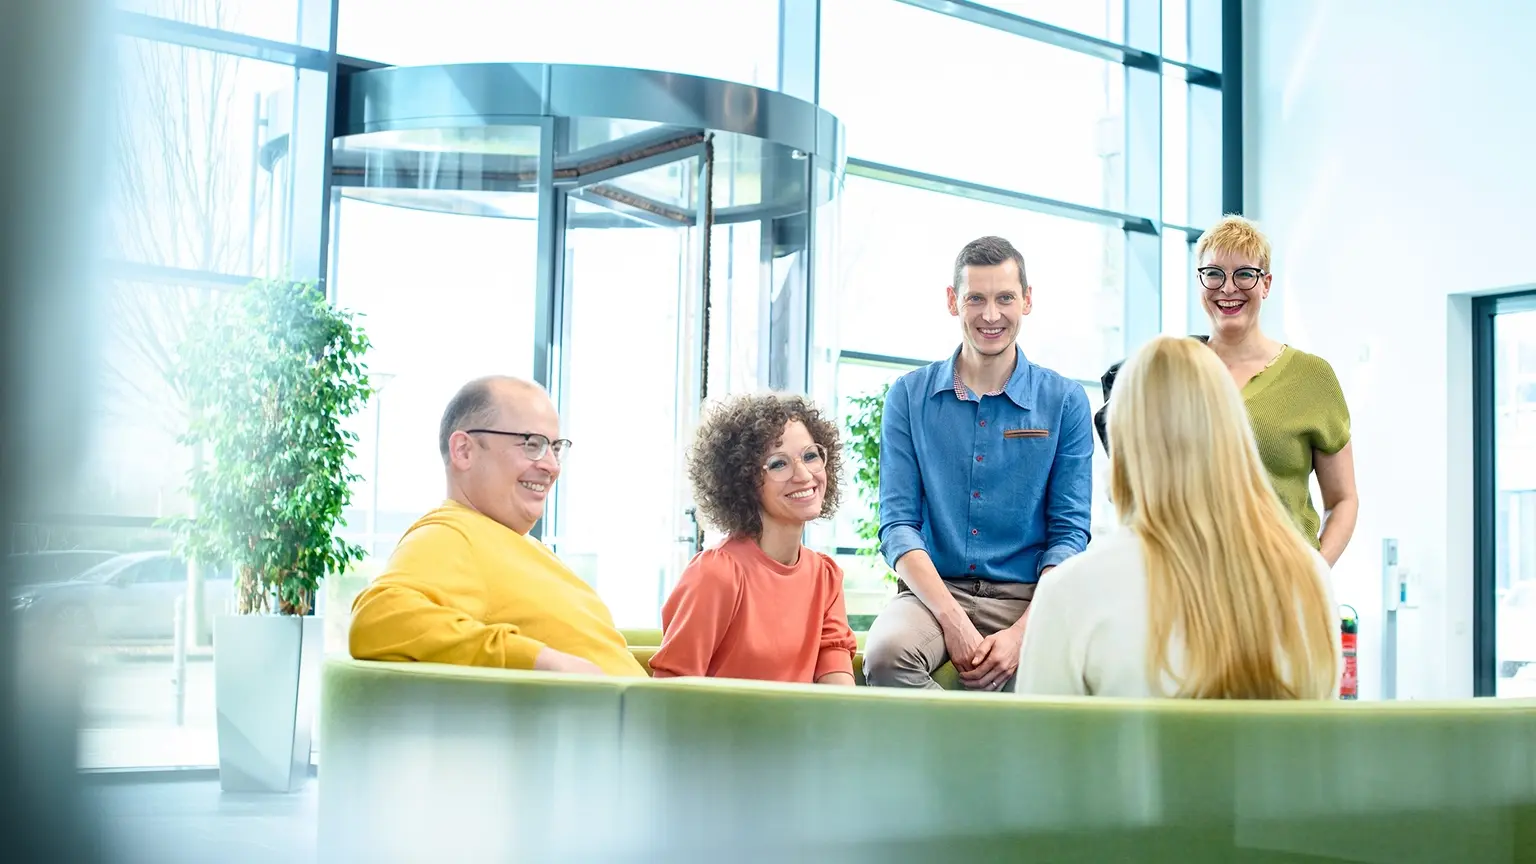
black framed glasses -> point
(1243, 278)
(534, 444)
(781, 466)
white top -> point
(1088, 625)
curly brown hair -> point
(725, 463)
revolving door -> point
(635, 241)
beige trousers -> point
(905, 645)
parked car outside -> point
(53, 565)
(129, 597)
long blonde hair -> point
(1226, 567)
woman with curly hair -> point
(760, 604)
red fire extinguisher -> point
(1349, 685)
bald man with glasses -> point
(466, 584)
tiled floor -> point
(193, 821)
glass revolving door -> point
(434, 244)
(631, 280)
(635, 241)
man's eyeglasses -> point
(1243, 278)
(534, 444)
(781, 466)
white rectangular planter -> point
(266, 678)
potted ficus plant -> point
(271, 372)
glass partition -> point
(629, 281)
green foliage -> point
(271, 373)
(864, 446)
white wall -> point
(1391, 156)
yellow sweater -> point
(462, 588)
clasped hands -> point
(984, 662)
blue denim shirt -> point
(996, 487)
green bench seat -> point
(427, 762)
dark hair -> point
(474, 405)
(987, 252)
(1107, 383)
(725, 463)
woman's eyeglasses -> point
(781, 466)
(1243, 278)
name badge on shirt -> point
(1026, 433)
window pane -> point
(854, 380)
(436, 320)
(1204, 26)
(898, 252)
(1176, 29)
(112, 593)
(867, 584)
(1104, 20)
(694, 37)
(623, 416)
(188, 188)
(132, 463)
(1176, 147)
(827, 253)
(1205, 158)
(924, 91)
(1178, 286)
(277, 20)
(1515, 488)
(119, 590)
(736, 313)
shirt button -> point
(973, 566)
(978, 458)
(975, 494)
(983, 422)
(973, 531)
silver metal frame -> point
(482, 94)
(142, 26)
(1039, 31)
(995, 195)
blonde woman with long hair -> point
(1209, 591)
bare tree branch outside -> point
(183, 197)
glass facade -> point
(1086, 132)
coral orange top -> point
(737, 613)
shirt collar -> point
(1019, 388)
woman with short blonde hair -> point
(1295, 404)
(1208, 592)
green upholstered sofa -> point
(644, 642)
(435, 763)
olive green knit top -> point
(1296, 407)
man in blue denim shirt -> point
(986, 482)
